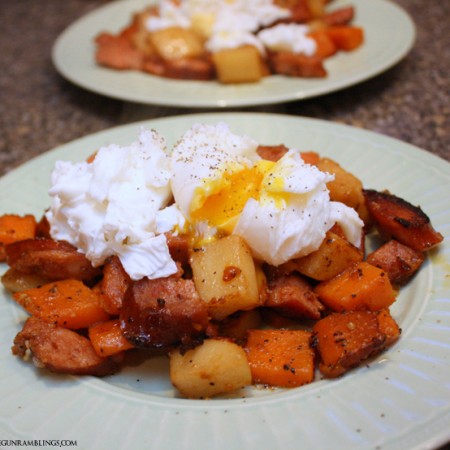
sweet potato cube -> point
(225, 276)
(107, 338)
(388, 326)
(238, 65)
(325, 47)
(67, 303)
(344, 340)
(282, 358)
(346, 37)
(361, 286)
(15, 228)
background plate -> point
(401, 400)
(389, 32)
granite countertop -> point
(39, 110)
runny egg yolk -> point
(227, 196)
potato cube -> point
(176, 43)
(316, 7)
(218, 366)
(238, 65)
(345, 188)
(225, 276)
(333, 256)
(15, 281)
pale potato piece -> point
(15, 281)
(176, 43)
(238, 65)
(203, 24)
(316, 7)
(218, 366)
(225, 276)
(345, 188)
(333, 256)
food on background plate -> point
(231, 41)
(243, 263)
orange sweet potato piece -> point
(361, 286)
(388, 326)
(396, 218)
(325, 46)
(310, 157)
(67, 303)
(107, 338)
(344, 340)
(15, 228)
(399, 261)
(346, 37)
(281, 358)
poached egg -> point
(211, 184)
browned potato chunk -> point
(332, 257)
(345, 188)
(15, 281)
(225, 276)
(316, 7)
(238, 65)
(176, 43)
(218, 366)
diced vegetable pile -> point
(225, 320)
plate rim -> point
(297, 94)
(424, 156)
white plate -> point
(389, 31)
(401, 400)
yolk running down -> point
(229, 195)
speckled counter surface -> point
(39, 110)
